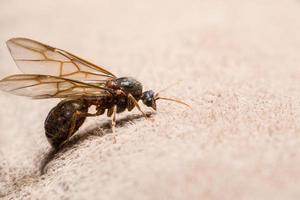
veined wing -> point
(45, 86)
(33, 57)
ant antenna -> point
(174, 100)
(168, 98)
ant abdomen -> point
(64, 120)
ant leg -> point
(113, 123)
(97, 113)
(89, 114)
(136, 104)
(73, 120)
(77, 115)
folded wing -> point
(45, 86)
(33, 57)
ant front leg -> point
(136, 104)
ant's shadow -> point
(82, 136)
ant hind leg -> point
(113, 123)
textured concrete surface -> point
(240, 69)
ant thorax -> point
(131, 86)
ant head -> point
(149, 99)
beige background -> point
(240, 66)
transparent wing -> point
(33, 57)
(45, 86)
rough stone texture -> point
(239, 63)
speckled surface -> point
(240, 69)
